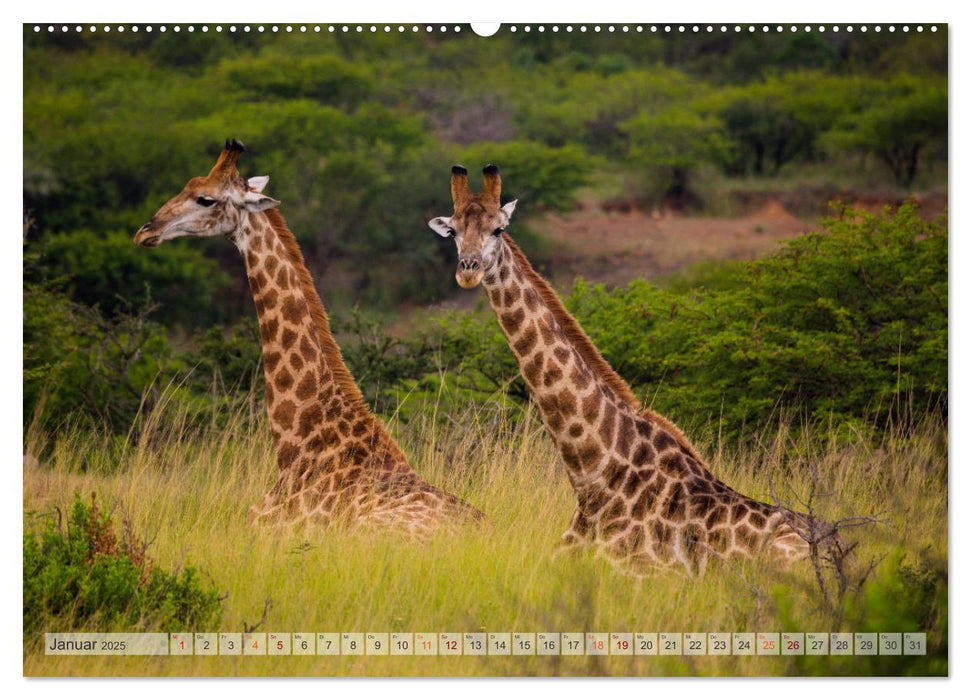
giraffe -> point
(337, 463)
(644, 495)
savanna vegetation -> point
(815, 373)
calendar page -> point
(524, 349)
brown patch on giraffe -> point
(511, 295)
(288, 337)
(739, 511)
(360, 429)
(581, 377)
(614, 474)
(701, 505)
(297, 363)
(271, 262)
(310, 418)
(757, 520)
(635, 538)
(570, 458)
(531, 299)
(552, 375)
(663, 441)
(634, 481)
(612, 526)
(252, 261)
(644, 454)
(590, 405)
(271, 360)
(268, 329)
(546, 330)
(591, 502)
(511, 320)
(672, 464)
(283, 380)
(332, 410)
(503, 274)
(718, 539)
(717, 516)
(607, 423)
(567, 403)
(561, 353)
(330, 437)
(575, 430)
(531, 370)
(283, 414)
(293, 311)
(625, 435)
(663, 533)
(526, 342)
(590, 453)
(257, 280)
(649, 496)
(747, 538)
(270, 298)
(308, 351)
(495, 295)
(676, 503)
(286, 453)
(283, 278)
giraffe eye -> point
(451, 233)
(204, 201)
(498, 231)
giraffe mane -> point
(332, 353)
(588, 351)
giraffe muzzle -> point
(147, 237)
(469, 272)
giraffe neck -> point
(584, 405)
(314, 406)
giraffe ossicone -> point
(338, 465)
(644, 494)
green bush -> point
(81, 574)
(841, 323)
(670, 145)
(900, 130)
(898, 596)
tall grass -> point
(187, 487)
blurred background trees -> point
(357, 133)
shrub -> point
(85, 575)
(841, 323)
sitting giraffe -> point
(644, 495)
(337, 463)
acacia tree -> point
(671, 144)
(899, 130)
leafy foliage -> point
(841, 323)
(81, 574)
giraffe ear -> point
(256, 184)
(442, 225)
(256, 201)
(509, 207)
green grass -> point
(188, 492)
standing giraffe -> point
(644, 495)
(337, 463)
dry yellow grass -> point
(189, 492)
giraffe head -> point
(209, 206)
(476, 224)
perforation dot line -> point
(429, 28)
